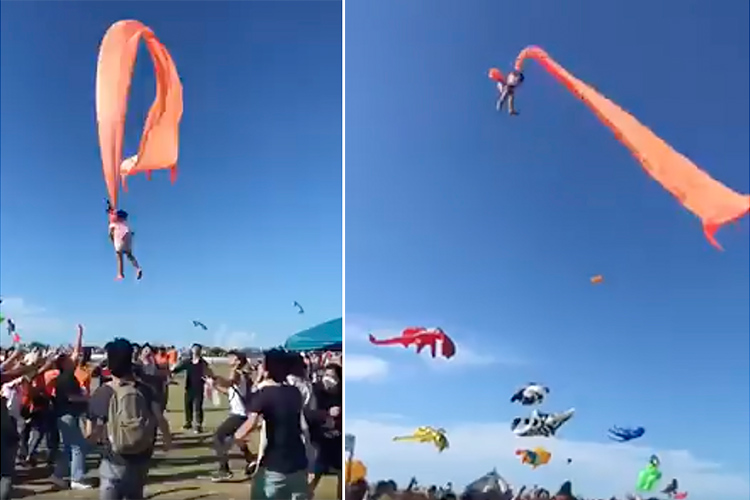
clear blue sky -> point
(491, 226)
(254, 220)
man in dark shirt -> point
(123, 476)
(283, 465)
(196, 369)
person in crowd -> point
(238, 388)
(196, 369)
(84, 375)
(10, 370)
(126, 415)
(69, 404)
(40, 422)
(326, 426)
(283, 460)
(299, 377)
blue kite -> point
(199, 325)
(623, 435)
(300, 310)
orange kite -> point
(159, 143)
(712, 202)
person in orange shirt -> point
(161, 357)
(83, 372)
(41, 418)
(83, 376)
(49, 378)
(172, 356)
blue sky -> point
(254, 220)
(491, 227)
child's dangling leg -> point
(134, 262)
(511, 104)
(501, 100)
(120, 270)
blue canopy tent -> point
(325, 336)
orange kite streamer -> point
(159, 143)
(712, 202)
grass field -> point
(178, 474)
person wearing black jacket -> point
(196, 370)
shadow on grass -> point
(188, 442)
(175, 477)
(171, 461)
(179, 489)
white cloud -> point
(232, 339)
(596, 468)
(32, 321)
(363, 367)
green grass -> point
(178, 474)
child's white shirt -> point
(119, 230)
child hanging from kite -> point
(122, 239)
(507, 87)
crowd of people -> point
(488, 487)
(293, 400)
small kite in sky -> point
(427, 435)
(534, 458)
(623, 435)
(421, 337)
(540, 424)
(530, 394)
(650, 475)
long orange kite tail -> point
(159, 144)
(711, 201)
